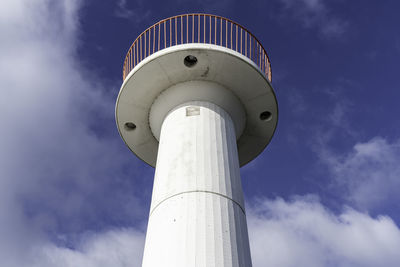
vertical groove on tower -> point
(217, 183)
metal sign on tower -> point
(196, 103)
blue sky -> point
(323, 193)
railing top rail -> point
(140, 50)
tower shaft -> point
(197, 215)
(196, 103)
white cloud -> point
(302, 232)
(314, 14)
(118, 248)
(283, 233)
(58, 176)
(369, 175)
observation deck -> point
(196, 57)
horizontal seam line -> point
(195, 191)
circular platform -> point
(248, 97)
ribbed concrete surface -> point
(197, 213)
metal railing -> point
(197, 28)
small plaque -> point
(192, 111)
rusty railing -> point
(197, 28)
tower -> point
(196, 103)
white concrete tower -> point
(196, 103)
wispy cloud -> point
(357, 168)
(362, 172)
(314, 14)
(368, 174)
(209, 5)
(137, 14)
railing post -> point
(198, 26)
(245, 48)
(215, 30)
(145, 44)
(220, 34)
(210, 40)
(181, 30)
(204, 30)
(226, 33)
(176, 31)
(236, 48)
(170, 32)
